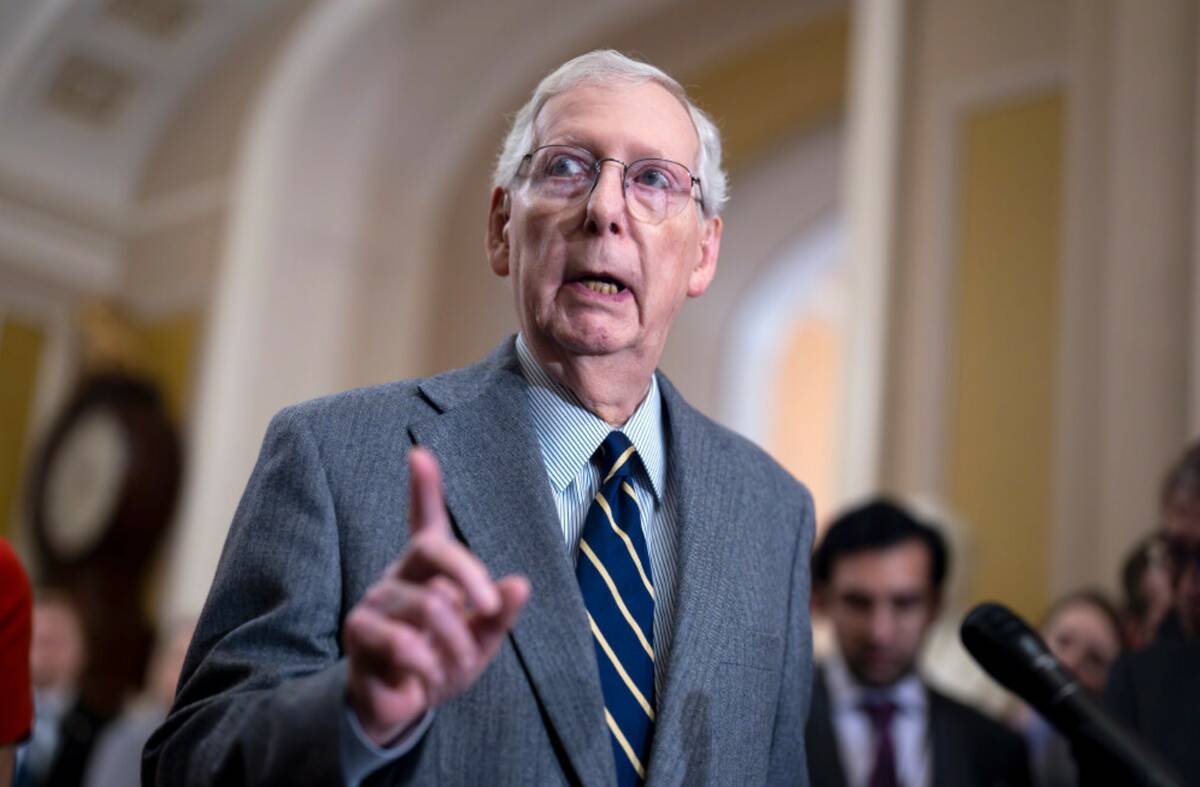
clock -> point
(84, 479)
(101, 497)
(105, 483)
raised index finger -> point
(427, 510)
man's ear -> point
(706, 264)
(496, 242)
(818, 599)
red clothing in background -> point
(16, 629)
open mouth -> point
(604, 285)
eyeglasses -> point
(1180, 553)
(655, 189)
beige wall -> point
(1110, 348)
(960, 54)
(186, 183)
(965, 61)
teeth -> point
(602, 287)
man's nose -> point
(606, 204)
(883, 625)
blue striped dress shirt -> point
(569, 434)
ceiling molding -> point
(61, 251)
(178, 207)
(164, 19)
(21, 36)
(87, 87)
(89, 90)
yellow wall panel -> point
(1006, 333)
(168, 347)
(20, 350)
(782, 87)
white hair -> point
(603, 67)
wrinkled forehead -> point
(625, 120)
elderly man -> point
(650, 620)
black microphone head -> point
(1013, 653)
(1016, 656)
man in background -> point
(1146, 590)
(65, 726)
(116, 758)
(1156, 691)
(878, 576)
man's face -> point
(58, 650)
(550, 250)
(1181, 532)
(881, 605)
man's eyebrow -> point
(569, 138)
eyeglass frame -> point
(599, 162)
(1178, 554)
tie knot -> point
(614, 456)
(880, 712)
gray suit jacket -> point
(325, 511)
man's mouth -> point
(604, 285)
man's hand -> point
(429, 627)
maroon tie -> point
(883, 772)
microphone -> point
(1013, 653)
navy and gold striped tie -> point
(614, 574)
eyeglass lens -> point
(656, 189)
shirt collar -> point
(569, 433)
(847, 694)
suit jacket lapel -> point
(949, 766)
(485, 441)
(824, 758)
(707, 515)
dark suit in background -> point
(1156, 693)
(968, 748)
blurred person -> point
(1156, 691)
(66, 725)
(1146, 584)
(58, 654)
(878, 575)
(1083, 630)
(117, 756)
(660, 561)
(16, 688)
